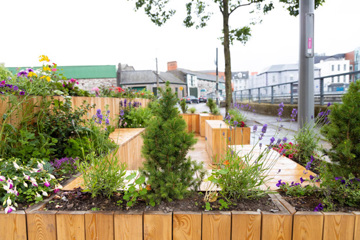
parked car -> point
(190, 99)
(202, 99)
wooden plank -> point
(246, 225)
(239, 136)
(338, 225)
(41, 225)
(13, 226)
(70, 225)
(276, 226)
(157, 225)
(357, 226)
(216, 226)
(186, 225)
(128, 225)
(99, 225)
(308, 226)
(203, 117)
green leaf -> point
(140, 180)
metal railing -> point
(288, 92)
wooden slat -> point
(216, 226)
(338, 225)
(13, 226)
(157, 226)
(205, 116)
(70, 225)
(128, 226)
(308, 226)
(41, 225)
(186, 226)
(357, 226)
(99, 225)
(276, 226)
(246, 225)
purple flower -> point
(272, 140)
(329, 104)
(280, 183)
(318, 208)
(125, 103)
(264, 128)
(255, 128)
(98, 112)
(22, 93)
(278, 141)
(311, 177)
(16, 88)
(107, 121)
(22, 74)
(284, 139)
(121, 112)
(223, 133)
(260, 145)
(235, 123)
(302, 180)
(279, 171)
(321, 113)
(281, 105)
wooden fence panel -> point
(70, 225)
(41, 225)
(357, 226)
(99, 225)
(157, 225)
(276, 226)
(308, 226)
(186, 226)
(216, 226)
(246, 225)
(128, 225)
(13, 226)
(338, 226)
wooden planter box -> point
(206, 116)
(192, 122)
(100, 102)
(323, 225)
(130, 144)
(218, 136)
(60, 225)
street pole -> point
(306, 63)
(217, 80)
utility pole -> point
(157, 76)
(306, 63)
(217, 79)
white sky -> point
(88, 32)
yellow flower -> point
(46, 69)
(48, 78)
(44, 58)
(32, 74)
(43, 77)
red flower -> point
(242, 124)
(290, 143)
(142, 93)
(290, 156)
(119, 89)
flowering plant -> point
(24, 183)
(125, 108)
(287, 149)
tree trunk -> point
(227, 55)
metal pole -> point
(259, 95)
(306, 66)
(157, 79)
(217, 80)
(291, 93)
(322, 91)
(272, 94)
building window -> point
(273, 79)
(332, 79)
(339, 67)
(332, 68)
(345, 67)
(351, 68)
(338, 78)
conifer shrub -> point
(170, 174)
(343, 131)
(212, 107)
(184, 106)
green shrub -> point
(307, 143)
(169, 173)
(192, 110)
(343, 131)
(138, 117)
(236, 117)
(183, 105)
(212, 107)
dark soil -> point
(76, 200)
(309, 203)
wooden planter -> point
(192, 122)
(218, 136)
(206, 116)
(59, 225)
(323, 225)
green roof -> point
(81, 72)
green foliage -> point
(192, 110)
(102, 174)
(212, 107)
(77, 147)
(307, 142)
(183, 105)
(138, 117)
(134, 190)
(4, 73)
(167, 170)
(343, 131)
(236, 116)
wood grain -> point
(246, 225)
(70, 225)
(205, 116)
(99, 225)
(13, 226)
(357, 226)
(338, 225)
(276, 226)
(308, 226)
(41, 225)
(216, 226)
(128, 226)
(186, 226)
(157, 225)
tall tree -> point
(159, 14)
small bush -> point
(212, 107)
(192, 110)
(184, 106)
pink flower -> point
(47, 184)
(10, 183)
(56, 190)
(9, 209)
(290, 156)
(2, 178)
(54, 69)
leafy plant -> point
(167, 169)
(134, 190)
(102, 174)
(236, 118)
(138, 117)
(183, 106)
(212, 107)
(307, 142)
(343, 132)
(192, 110)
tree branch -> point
(231, 11)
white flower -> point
(9, 209)
(27, 177)
(44, 193)
(8, 201)
(51, 176)
(37, 195)
(16, 166)
(25, 184)
(2, 178)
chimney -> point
(118, 75)
(172, 66)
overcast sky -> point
(108, 32)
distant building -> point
(240, 80)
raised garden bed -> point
(192, 122)
(206, 116)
